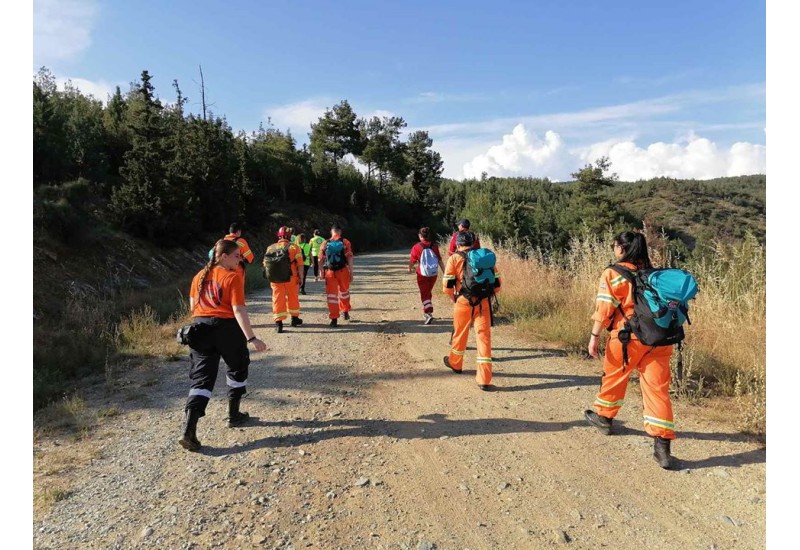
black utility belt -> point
(189, 334)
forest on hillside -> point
(144, 166)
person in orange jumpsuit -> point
(286, 296)
(615, 298)
(337, 270)
(235, 235)
(465, 314)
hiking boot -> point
(661, 453)
(346, 315)
(296, 321)
(303, 291)
(428, 318)
(334, 322)
(602, 423)
(279, 327)
(235, 416)
(447, 364)
(189, 439)
(486, 387)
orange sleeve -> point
(236, 283)
(450, 274)
(348, 249)
(193, 288)
(247, 254)
(605, 304)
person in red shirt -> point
(337, 270)
(463, 226)
(427, 269)
(222, 330)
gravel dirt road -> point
(363, 439)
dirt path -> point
(363, 439)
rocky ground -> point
(363, 439)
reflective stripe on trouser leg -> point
(614, 382)
(462, 320)
(202, 374)
(426, 285)
(332, 290)
(483, 338)
(233, 346)
(343, 280)
(293, 296)
(654, 378)
(279, 309)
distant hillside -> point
(692, 210)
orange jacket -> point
(454, 271)
(244, 248)
(613, 290)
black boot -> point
(334, 322)
(602, 423)
(346, 315)
(189, 439)
(236, 417)
(296, 321)
(279, 326)
(662, 454)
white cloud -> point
(100, 89)
(62, 29)
(522, 153)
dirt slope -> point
(363, 439)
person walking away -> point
(463, 226)
(613, 305)
(283, 267)
(305, 247)
(292, 236)
(425, 255)
(316, 244)
(336, 257)
(472, 280)
(235, 235)
(223, 330)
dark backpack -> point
(478, 280)
(660, 298)
(277, 264)
(334, 255)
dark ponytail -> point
(634, 249)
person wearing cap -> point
(285, 296)
(467, 313)
(463, 225)
(336, 259)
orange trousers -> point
(654, 377)
(285, 299)
(337, 287)
(464, 315)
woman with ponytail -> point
(613, 306)
(216, 300)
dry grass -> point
(142, 334)
(725, 349)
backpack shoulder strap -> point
(629, 274)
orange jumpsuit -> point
(288, 294)
(651, 362)
(464, 315)
(337, 283)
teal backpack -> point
(479, 279)
(334, 255)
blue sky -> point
(509, 88)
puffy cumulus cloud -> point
(62, 29)
(521, 153)
(298, 117)
(699, 158)
(100, 89)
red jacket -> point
(453, 246)
(416, 253)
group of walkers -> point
(221, 327)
